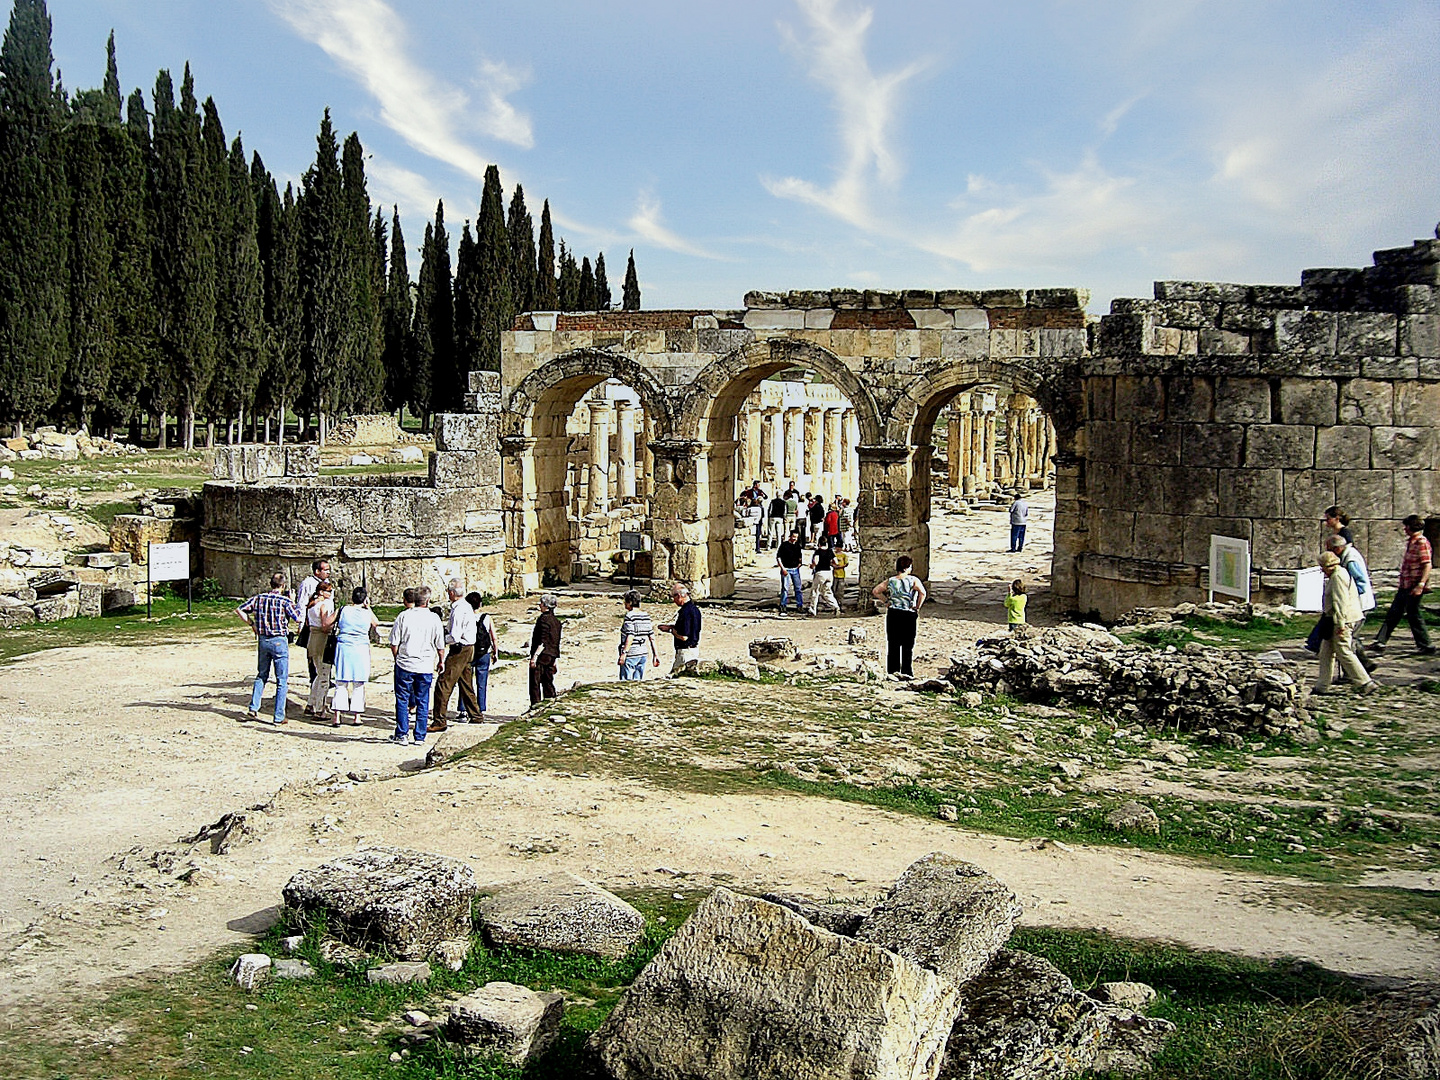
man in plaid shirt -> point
(269, 615)
(1414, 580)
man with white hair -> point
(685, 629)
(544, 650)
(460, 639)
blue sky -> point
(821, 143)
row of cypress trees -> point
(149, 270)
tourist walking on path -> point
(847, 525)
(1015, 605)
(685, 629)
(319, 571)
(460, 632)
(352, 655)
(320, 615)
(637, 640)
(269, 615)
(1341, 606)
(1337, 521)
(417, 641)
(1354, 564)
(1019, 515)
(841, 572)
(775, 523)
(817, 519)
(792, 510)
(822, 574)
(787, 558)
(1414, 583)
(544, 650)
(487, 651)
(905, 594)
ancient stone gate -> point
(1213, 408)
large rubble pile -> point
(1210, 691)
(56, 445)
(1231, 612)
(920, 986)
(46, 583)
(373, 429)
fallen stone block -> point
(456, 739)
(406, 901)
(563, 913)
(250, 970)
(452, 954)
(842, 919)
(398, 974)
(946, 915)
(748, 990)
(1130, 995)
(1135, 818)
(772, 648)
(512, 1021)
(292, 969)
(334, 951)
(1021, 1017)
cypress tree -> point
(469, 319)
(422, 345)
(363, 380)
(568, 287)
(126, 182)
(326, 286)
(630, 299)
(379, 288)
(444, 382)
(398, 314)
(497, 295)
(242, 304)
(585, 294)
(279, 243)
(546, 296)
(92, 324)
(603, 299)
(521, 228)
(34, 221)
(102, 106)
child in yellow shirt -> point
(837, 567)
(1015, 604)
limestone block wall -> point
(1245, 411)
(388, 533)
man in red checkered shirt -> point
(270, 615)
(1414, 580)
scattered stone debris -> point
(54, 445)
(398, 974)
(563, 913)
(451, 954)
(772, 648)
(250, 970)
(292, 969)
(334, 951)
(502, 1018)
(1234, 613)
(1207, 690)
(1134, 817)
(407, 901)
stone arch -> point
(699, 532)
(1059, 394)
(534, 456)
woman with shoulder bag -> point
(320, 624)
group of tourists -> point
(459, 651)
(1349, 595)
(805, 515)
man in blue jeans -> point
(787, 558)
(269, 615)
(417, 641)
(1019, 515)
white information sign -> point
(1309, 589)
(1229, 567)
(169, 562)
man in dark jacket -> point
(685, 629)
(544, 650)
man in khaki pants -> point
(460, 637)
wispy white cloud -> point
(865, 102)
(1110, 122)
(647, 223)
(370, 41)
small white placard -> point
(1309, 589)
(169, 562)
(1230, 567)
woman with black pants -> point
(905, 594)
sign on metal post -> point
(167, 562)
(1229, 567)
(632, 542)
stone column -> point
(625, 447)
(977, 445)
(597, 491)
(890, 514)
(768, 473)
(753, 460)
(646, 480)
(814, 447)
(795, 444)
(952, 452)
(834, 467)
(989, 451)
(849, 465)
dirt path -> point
(110, 754)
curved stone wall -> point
(1245, 411)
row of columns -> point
(815, 446)
(973, 449)
(601, 469)
(1030, 437)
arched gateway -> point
(897, 357)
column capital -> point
(510, 445)
(883, 452)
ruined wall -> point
(1247, 410)
(386, 532)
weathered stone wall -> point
(388, 533)
(1245, 411)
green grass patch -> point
(104, 514)
(169, 624)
